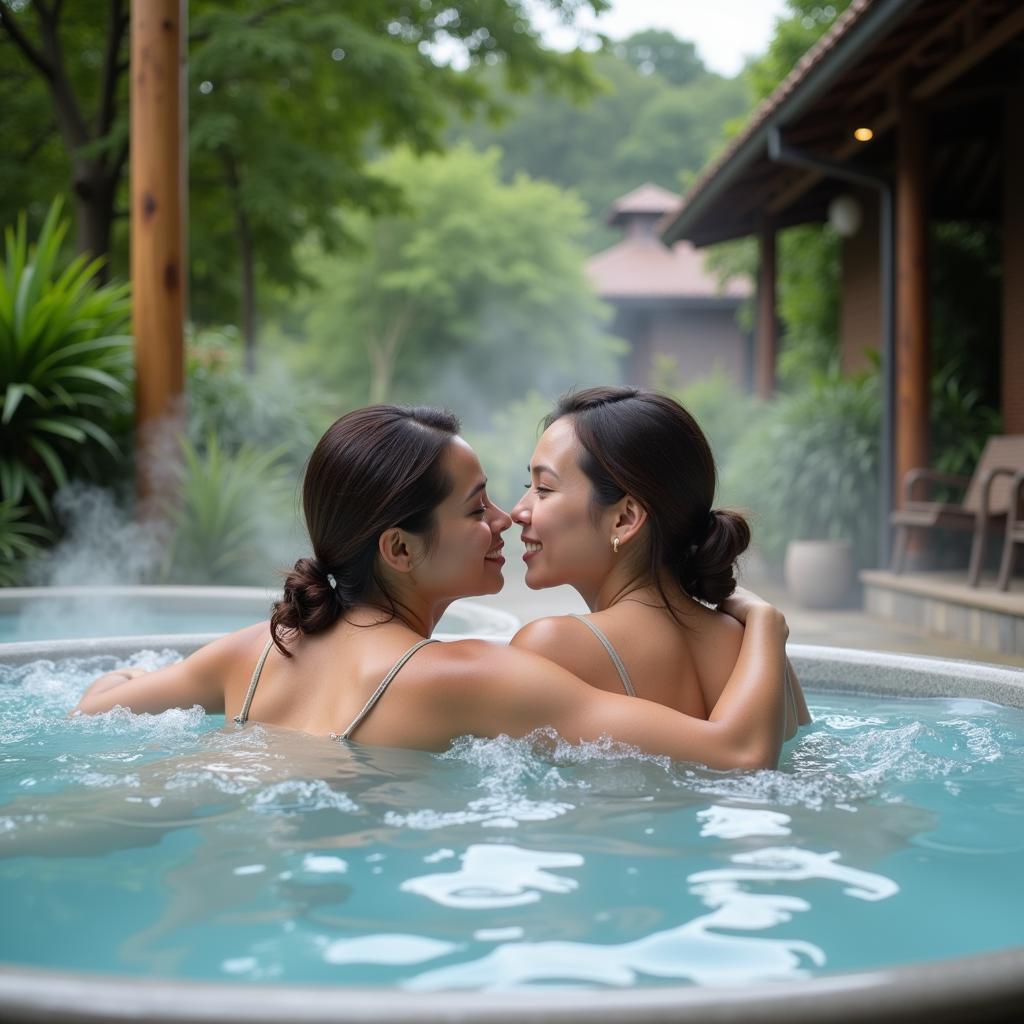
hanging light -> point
(845, 215)
(863, 134)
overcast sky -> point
(725, 31)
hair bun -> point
(709, 570)
(309, 603)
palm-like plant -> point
(65, 364)
(19, 541)
(225, 505)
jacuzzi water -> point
(174, 847)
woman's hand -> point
(744, 603)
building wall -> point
(697, 341)
(860, 311)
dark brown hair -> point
(641, 443)
(373, 469)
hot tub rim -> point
(987, 986)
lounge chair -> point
(986, 500)
(1014, 531)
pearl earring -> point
(615, 544)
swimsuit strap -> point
(612, 653)
(379, 692)
(244, 713)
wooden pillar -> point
(766, 344)
(1013, 264)
(912, 328)
(860, 296)
(158, 33)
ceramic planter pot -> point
(819, 573)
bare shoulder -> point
(469, 661)
(547, 636)
(228, 651)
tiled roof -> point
(789, 85)
(642, 268)
(647, 199)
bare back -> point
(331, 678)
(681, 664)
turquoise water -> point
(170, 846)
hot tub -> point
(730, 882)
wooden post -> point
(1013, 264)
(157, 224)
(912, 328)
(767, 342)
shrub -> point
(723, 410)
(19, 542)
(65, 366)
(229, 518)
(263, 409)
(808, 468)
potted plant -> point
(808, 470)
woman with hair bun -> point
(401, 525)
(619, 507)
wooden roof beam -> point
(1011, 26)
(807, 181)
(943, 28)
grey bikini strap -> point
(627, 683)
(384, 684)
(244, 713)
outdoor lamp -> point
(845, 216)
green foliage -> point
(65, 366)
(226, 506)
(471, 295)
(966, 331)
(808, 467)
(808, 303)
(506, 445)
(36, 160)
(265, 410)
(640, 127)
(19, 542)
(657, 52)
(961, 421)
(288, 102)
(795, 34)
(725, 412)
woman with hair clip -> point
(619, 507)
(400, 523)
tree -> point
(67, 66)
(474, 292)
(657, 52)
(795, 34)
(286, 99)
(639, 127)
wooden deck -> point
(942, 604)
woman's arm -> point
(739, 606)
(199, 679)
(509, 690)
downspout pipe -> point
(781, 153)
